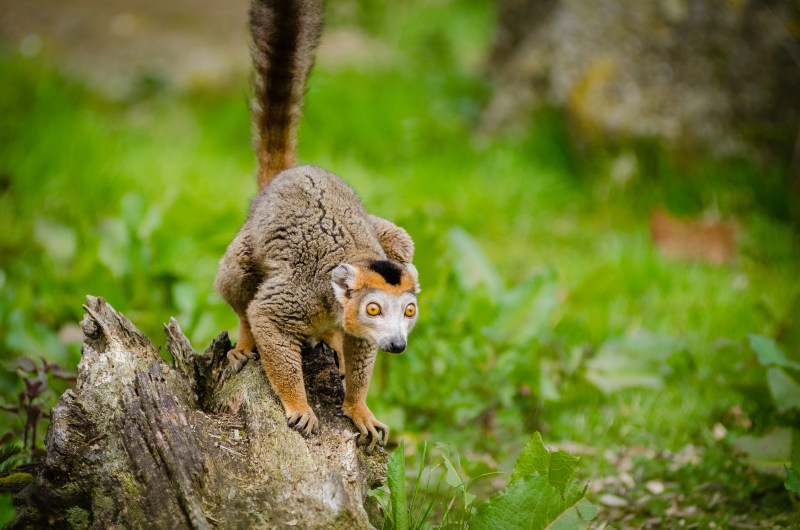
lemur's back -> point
(309, 221)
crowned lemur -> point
(310, 263)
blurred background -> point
(604, 196)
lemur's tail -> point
(284, 35)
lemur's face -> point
(379, 301)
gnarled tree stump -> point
(140, 443)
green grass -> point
(136, 200)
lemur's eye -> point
(373, 309)
(411, 310)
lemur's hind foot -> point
(335, 339)
(243, 351)
(238, 358)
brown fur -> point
(350, 319)
(284, 34)
(394, 239)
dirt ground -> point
(110, 43)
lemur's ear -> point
(343, 279)
(412, 271)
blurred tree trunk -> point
(142, 444)
(696, 74)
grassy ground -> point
(545, 305)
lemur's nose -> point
(397, 346)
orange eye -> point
(373, 309)
(411, 310)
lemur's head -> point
(379, 299)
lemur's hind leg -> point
(335, 339)
(277, 324)
(243, 351)
(237, 282)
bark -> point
(141, 444)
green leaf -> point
(792, 480)
(532, 503)
(113, 247)
(59, 241)
(794, 455)
(769, 354)
(452, 475)
(578, 516)
(132, 209)
(575, 493)
(638, 360)
(569, 520)
(525, 310)
(785, 390)
(563, 467)
(769, 452)
(396, 477)
(8, 457)
(559, 467)
(586, 509)
(534, 457)
(185, 296)
(470, 263)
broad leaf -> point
(396, 477)
(794, 454)
(785, 390)
(569, 520)
(769, 354)
(586, 509)
(470, 263)
(525, 310)
(530, 503)
(59, 241)
(639, 360)
(769, 452)
(559, 467)
(534, 457)
(792, 481)
(563, 467)
(575, 493)
(542, 494)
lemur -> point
(310, 263)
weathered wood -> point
(142, 444)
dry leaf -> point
(702, 239)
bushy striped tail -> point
(284, 35)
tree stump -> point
(140, 443)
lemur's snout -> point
(395, 346)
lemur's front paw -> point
(238, 358)
(306, 423)
(366, 423)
